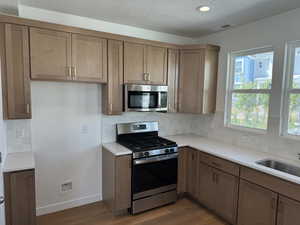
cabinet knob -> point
(69, 68)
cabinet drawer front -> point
(273, 183)
(220, 164)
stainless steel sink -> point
(283, 167)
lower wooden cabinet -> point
(257, 205)
(226, 195)
(19, 193)
(288, 212)
(182, 170)
(192, 172)
(116, 183)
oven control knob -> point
(172, 150)
(167, 151)
(146, 154)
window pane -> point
(294, 115)
(296, 74)
(250, 110)
(253, 71)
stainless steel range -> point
(154, 169)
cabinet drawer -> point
(275, 184)
(220, 164)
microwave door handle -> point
(159, 100)
(155, 159)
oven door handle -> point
(155, 159)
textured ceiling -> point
(171, 16)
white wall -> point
(274, 31)
(93, 24)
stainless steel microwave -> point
(145, 98)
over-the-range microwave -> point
(145, 98)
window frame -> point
(287, 83)
(230, 88)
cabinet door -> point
(156, 58)
(226, 196)
(16, 80)
(20, 193)
(182, 171)
(134, 63)
(173, 69)
(192, 173)
(288, 212)
(89, 58)
(206, 186)
(123, 183)
(257, 205)
(50, 54)
(191, 81)
(112, 93)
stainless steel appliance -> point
(154, 169)
(145, 98)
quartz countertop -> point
(117, 149)
(243, 156)
(19, 161)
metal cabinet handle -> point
(1, 200)
(145, 76)
(74, 72)
(27, 108)
(149, 77)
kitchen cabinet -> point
(173, 70)
(112, 92)
(198, 80)
(182, 170)
(145, 64)
(15, 71)
(257, 205)
(227, 189)
(206, 186)
(288, 212)
(50, 55)
(62, 56)
(19, 193)
(116, 183)
(89, 58)
(192, 172)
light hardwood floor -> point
(184, 212)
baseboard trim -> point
(51, 208)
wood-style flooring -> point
(184, 212)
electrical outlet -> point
(20, 133)
(68, 186)
(84, 129)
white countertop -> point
(242, 156)
(19, 161)
(117, 149)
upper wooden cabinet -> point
(198, 80)
(89, 58)
(15, 69)
(145, 64)
(173, 70)
(112, 92)
(64, 56)
(50, 54)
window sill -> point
(246, 129)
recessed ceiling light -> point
(203, 8)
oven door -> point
(154, 175)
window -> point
(249, 88)
(290, 122)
